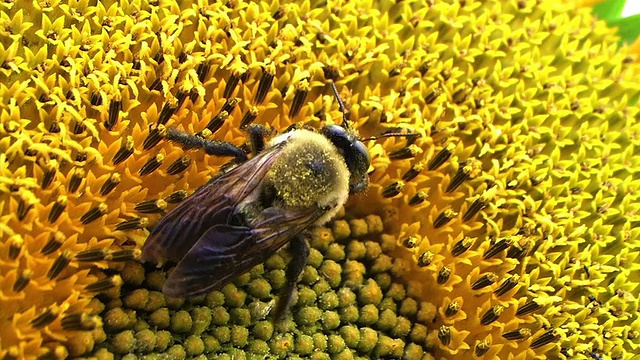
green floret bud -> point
(174, 303)
(368, 340)
(402, 327)
(103, 354)
(335, 252)
(388, 347)
(373, 250)
(400, 268)
(349, 314)
(181, 322)
(340, 229)
(358, 228)
(140, 325)
(388, 243)
(427, 312)
(306, 297)
(387, 320)
(413, 351)
(351, 335)
(145, 341)
(315, 258)
(259, 310)
(382, 263)
(211, 344)
(219, 316)
(370, 293)
(163, 339)
(132, 273)
(345, 354)
(309, 275)
(222, 333)
(277, 278)
(137, 299)
(384, 280)
(275, 262)
(123, 342)
(335, 344)
(396, 292)
(201, 319)
(308, 315)
(239, 336)
(177, 352)
(214, 298)
(355, 250)
(242, 280)
(374, 224)
(319, 341)
(282, 344)
(321, 287)
(257, 346)
(233, 297)
(346, 297)
(321, 238)
(155, 302)
(387, 303)
(240, 316)
(332, 272)
(414, 289)
(117, 319)
(155, 280)
(330, 320)
(194, 345)
(368, 315)
(303, 344)
(129, 357)
(262, 330)
(408, 307)
(237, 354)
(418, 333)
(317, 355)
(353, 273)
(257, 271)
(197, 300)
(328, 301)
(259, 288)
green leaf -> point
(609, 10)
(628, 28)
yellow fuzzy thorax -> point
(515, 211)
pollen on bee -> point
(506, 285)
(94, 214)
(151, 165)
(181, 164)
(110, 184)
(153, 206)
(124, 152)
(156, 133)
(59, 264)
(491, 315)
(444, 334)
(441, 157)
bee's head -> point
(355, 154)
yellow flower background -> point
(506, 229)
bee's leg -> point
(257, 133)
(299, 250)
(211, 147)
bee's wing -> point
(211, 204)
(225, 251)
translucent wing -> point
(225, 251)
(211, 205)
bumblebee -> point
(241, 217)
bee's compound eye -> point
(356, 155)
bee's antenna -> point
(393, 134)
(343, 110)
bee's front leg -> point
(299, 250)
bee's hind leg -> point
(299, 250)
